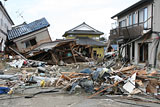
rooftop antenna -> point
(4, 2)
(20, 14)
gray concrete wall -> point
(41, 36)
(156, 26)
(158, 57)
(156, 16)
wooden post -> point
(53, 57)
(72, 53)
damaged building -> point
(5, 25)
(87, 35)
(25, 37)
(138, 33)
(81, 45)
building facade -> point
(87, 35)
(5, 25)
(138, 33)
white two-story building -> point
(5, 25)
(138, 32)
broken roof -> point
(88, 41)
(6, 13)
(83, 29)
(50, 45)
(25, 29)
(141, 2)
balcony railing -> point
(131, 32)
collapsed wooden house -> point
(67, 51)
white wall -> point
(156, 16)
(4, 26)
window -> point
(30, 43)
(140, 16)
(145, 17)
(95, 38)
(122, 23)
(134, 18)
(130, 20)
(71, 35)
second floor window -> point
(122, 23)
(134, 18)
(145, 17)
(130, 19)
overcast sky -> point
(64, 15)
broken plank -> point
(18, 53)
(115, 84)
(73, 53)
(53, 58)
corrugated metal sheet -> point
(27, 28)
(88, 41)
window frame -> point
(28, 43)
(130, 20)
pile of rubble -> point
(123, 81)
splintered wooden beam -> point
(112, 85)
(53, 57)
(18, 53)
(43, 57)
(73, 53)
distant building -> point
(138, 32)
(5, 25)
(87, 35)
(26, 37)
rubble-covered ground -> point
(78, 85)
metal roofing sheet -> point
(88, 41)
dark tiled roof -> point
(83, 32)
(141, 2)
(88, 41)
(24, 29)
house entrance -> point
(143, 52)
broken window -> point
(143, 52)
(30, 43)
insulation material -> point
(130, 85)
